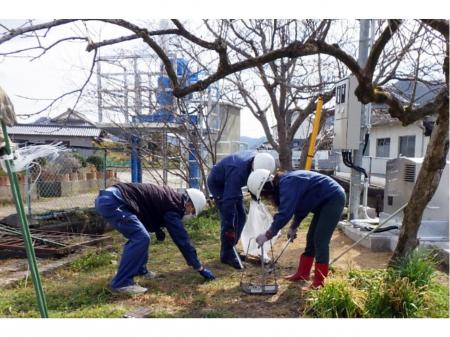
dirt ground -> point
(13, 269)
(359, 257)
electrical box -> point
(401, 176)
(347, 116)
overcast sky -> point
(62, 69)
(65, 67)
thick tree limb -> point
(33, 28)
(378, 47)
(440, 25)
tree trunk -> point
(304, 154)
(284, 149)
(285, 155)
(305, 147)
(425, 187)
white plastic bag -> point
(258, 221)
(24, 156)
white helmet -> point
(198, 199)
(256, 181)
(264, 160)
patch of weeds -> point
(98, 311)
(213, 313)
(436, 302)
(17, 302)
(336, 299)
(418, 268)
(204, 227)
(161, 313)
(93, 260)
(364, 279)
(394, 298)
(77, 296)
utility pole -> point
(355, 180)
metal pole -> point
(315, 131)
(164, 155)
(28, 190)
(355, 179)
(104, 168)
(42, 303)
(369, 233)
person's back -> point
(310, 189)
(150, 202)
(236, 166)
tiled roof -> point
(54, 130)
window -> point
(383, 145)
(407, 146)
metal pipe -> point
(315, 131)
(355, 175)
(263, 270)
(28, 187)
(282, 251)
(369, 233)
(31, 256)
(238, 257)
(105, 157)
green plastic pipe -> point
(31, 256)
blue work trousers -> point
(135, 252)
(322, 226)
(239, 218)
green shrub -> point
(418, 268)
(336, 299)
(97, 161)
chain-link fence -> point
(72, 180)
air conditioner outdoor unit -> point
(401, 175)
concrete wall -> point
(6, 195)
(64, 188)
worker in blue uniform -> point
(135, 210)
(225, 184)
(296, 194)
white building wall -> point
(394, 132)
(377, 165)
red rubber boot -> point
(320, 273)
(304, 269)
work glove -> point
(160, 235)
(230, 236)
(261, 238)
(207, 274)
(292, 233)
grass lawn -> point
(80, 289)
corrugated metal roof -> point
(53, 130)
